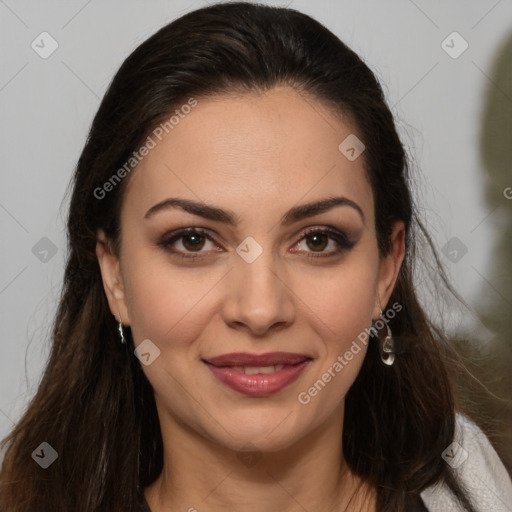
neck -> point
(311, 474)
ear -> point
(112, 278)
(390, 267)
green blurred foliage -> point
(490, 362)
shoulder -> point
(477, 467)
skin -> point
(256, 155)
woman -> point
(239, 326)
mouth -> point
(258, 374)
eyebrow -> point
(295, 214)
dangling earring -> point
(120, 329)
(387, 346)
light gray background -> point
(48, 104)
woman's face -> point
(251, 280)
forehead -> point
(249, 150)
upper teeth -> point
(253, 370)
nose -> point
(258, 299)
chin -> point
(265, 431)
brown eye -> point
(190, 242)
(193, 241)
(323, 242)
(317, 241)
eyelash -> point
(339, 238)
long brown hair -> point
(94, 405)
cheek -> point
(167, 304)
(338, 306)
(341, 300)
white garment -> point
(478, 467)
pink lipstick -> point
(258, 374)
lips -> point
(258, 360)
(257, 374)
